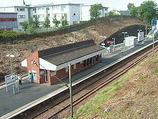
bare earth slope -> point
(23, 49)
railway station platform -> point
(30, 92)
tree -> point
(46, 22)
(64, 21)
(36, 21)
(130, 5)
(112, 13)
(148, 11)
(95, 10)
(31, 28)
(55, 21)
(31, 21)
(25, 25)
(134, 11)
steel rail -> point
(103, 84)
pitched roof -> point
(66, 53)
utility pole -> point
(70, 88)
(10, 56)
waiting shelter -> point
(51, 65)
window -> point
(63, 7)
(67, 69)
(34, 10)
(87, 61)
(21, 16)
(20, 9)
(84, 63)
(97, 57)
(90, 60)
(8, 19)
(41, 72)
(53, 73)
(56, 7)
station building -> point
(8, 21)
(51, 65)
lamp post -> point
(146, 29)
(139, 35)
(10, 58)
(139, 30)
(114, 42)
(124, 34)
(149, 30)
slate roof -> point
(63, 54)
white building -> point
(73, 13)
(85, 13)
(130, 41)
(70, 11)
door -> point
(46, 75)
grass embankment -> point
(133, 96)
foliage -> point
(64, 21)
(46, 22)
(134, 11)
(31, 21)
(31, 28)
(95, 10)
(11, 34)
(55, 21)
(146, 11)
(36, 21)
(31, 24)
(25, 25)
(130, 5)
(112, 13)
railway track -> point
(55, 112)
(55, 104)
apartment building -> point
(22, 13)
(69, 12)
(73, 13)
(8, 21)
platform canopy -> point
(60, 57)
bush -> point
(11, 34)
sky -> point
(112, 4)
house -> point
(51, 65)
(8, 21)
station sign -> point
(11, 78)
(150, 36)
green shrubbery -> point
(11, 34)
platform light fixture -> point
(124, 34)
